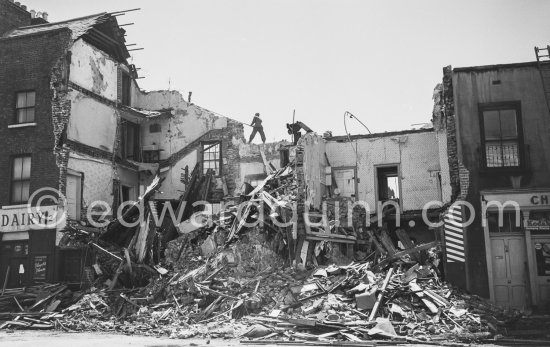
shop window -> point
(20, 179)
(510, 223)
(388, 183)
(24, 107)
(501, 135)
(211, 157)
(130, 141)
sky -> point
(379, 60)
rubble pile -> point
(229, 277)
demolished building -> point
(348, 210)
(97, 139)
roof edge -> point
(378, 135)
(497, 66)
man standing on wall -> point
(258, 128)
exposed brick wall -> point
(31, 60)
(12, 16)
(448, 110)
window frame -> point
(207, 145)
(13, 180)
(499, 106)
(126, 127)
(126, 89)
(399, 200)
(16, 109)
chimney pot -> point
(45, 15)
(33, 13)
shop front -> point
(27, 245)
(517, 242)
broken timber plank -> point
(387, 242)
(380, 295)
(407, 243)
(373, 238)
(403, 253)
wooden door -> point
(509, 271)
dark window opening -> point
(211, 157)
(388, 183)
(129, 147)
(24, 107)
(154, 128)
(151, 156)
(501, 137)
(20, 179)
(285, 157)
(126, 89)
(125, 193)
(509, 222)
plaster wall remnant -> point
(416, 154)
(93, 70)
(92, 123)
(188, 123)
(98, 178)
(314, 168)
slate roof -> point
(78, 26)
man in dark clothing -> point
(258, 128)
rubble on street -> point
(224, 279)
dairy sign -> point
(23, 218)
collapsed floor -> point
(232, 280)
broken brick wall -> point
(30, 61)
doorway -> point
(509, 265)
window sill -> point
(505, 171)
(21, 125)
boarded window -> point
(345, 182)
(501, 138)
(211, 157)
(24, 107)
(20, 179)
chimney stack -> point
(45, 16)
(33, 13)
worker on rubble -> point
(258, 128)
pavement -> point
(33, 338)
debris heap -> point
(234, 275)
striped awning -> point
(454, 234)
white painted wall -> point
(93, 69)
(418, 156)
(314, 168)
(188, 123)
(172, 187)
(98, 178)
(92, 122)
